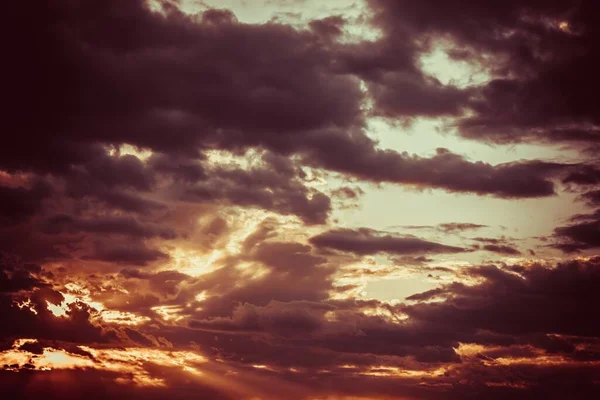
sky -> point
(300, 200)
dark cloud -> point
(128, 202)
(162, 283)
(282, 319)
(585, 175)
(348, 192)
(542, 63)
(263, 86)
(122, 182)
(398, 88)
(502, 249)
(180, 168)
(592, 197)
(14, 277)
(501, 245)
(111, 172)
(132, 252)
(277, 185)
(459, 226)
(450, 227)
(445, 170)
(583, 233)
(549, 290)
(106, 225)
(20, 203)
(428, 295)
(401, 94)
(367, 241)
(328, 28)
(408, 260)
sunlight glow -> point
(76, 293)
(538, 356)
(564, 26)
(126, 149)
(200, 297)
(195, 263)
(129, 361)
(387, 371)
(27, 304)
(168, 313)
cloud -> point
(555, 288)
(366, 241)
(592, 197)
(248, 99)
(300, 328)
(291, 319)
(585, 175)
(280, 271)
(531, 51)
(118, 379)
(500, 245)
(164, 189)
(20, 203)
(482, 314)
(292, 94)
(131, 253)
(16, 278)
(106, 225)
(502, 249)
(459, 227)
(582, 233)
(445, 170)
(276, 185)
(25, 291)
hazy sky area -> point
(297, 199)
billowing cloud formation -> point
(471, 332)
(541, 57)
(195, 206)
(181, 86)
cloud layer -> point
(191, 204)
